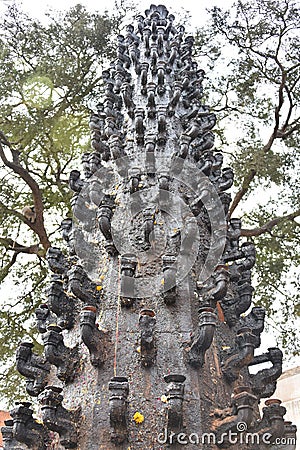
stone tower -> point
(148, 330)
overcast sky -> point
(197, 8)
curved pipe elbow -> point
(53, 355)
(272, 421)
(245, 415)
(175, 414)
(76, 289)
(151, 99)
(208, 335)
(64, 425)
(245, 292)
(175, 392)
(105, 227)
(221, 280)
(242, 402)
(247, 355)
(172, 56)
(161, 77)
(225, 185)
(164, 184)
(21, 433)
(134, 185)
(61, 424)
(87, 336)
(91, 336)
(24, 368)
(148, 228)
(277, 428)
(203, 341)
(144, 76)
(249, 262)
(119, 388)
(221, 290)
(275, 372)
(26, 434)
(226, 426)
(49, 417)
(139, 126)
(147, 321)
(36, 379)
(243, 357)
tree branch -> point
(5, 270)
(268, 226)
(240, 194)
(10, 244)
(273, 136)
(38, 227)
(289, 113)
(291, 131)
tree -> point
(252, 53)
(49, 72)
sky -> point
(196, 8)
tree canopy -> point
(50, 76)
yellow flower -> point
(162, 282)
(39, 421)
(164, 399)
(138, 417)
(99, 288)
